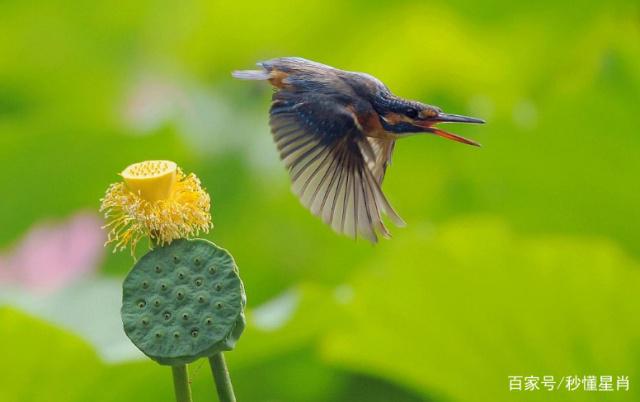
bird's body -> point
(335, 131)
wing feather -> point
(378, 156)
(335, 170)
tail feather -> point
(251, 74)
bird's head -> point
(400, 116)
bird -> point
(335, 131)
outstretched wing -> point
(330, 162)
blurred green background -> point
(519, 258)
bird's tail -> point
(251, 74)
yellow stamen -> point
(157, 200)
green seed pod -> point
(183, 301)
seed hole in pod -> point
(196, 261)
(145, 321)
(141, 303)
(219, 305)
(198, 282)
(156, 303)
(176, 259)
(212, 270)
(201, 299)
(218, 287)
(163, 286)
(180, 295)
(158, 335)
(145, 284)
(176, 335)
(167, 315)
(180, 275)
(194, 332)
(208, 321)
(185, 316)
(158, 269)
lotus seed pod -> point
(183, 301)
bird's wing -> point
(379, 157)
(324, 151)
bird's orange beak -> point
(449, 118)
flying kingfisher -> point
(335, 131)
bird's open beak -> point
(449, 118)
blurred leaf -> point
(42, 360)
(473, 303)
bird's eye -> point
(412, 113)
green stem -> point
(221, 378)
(181, 383)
